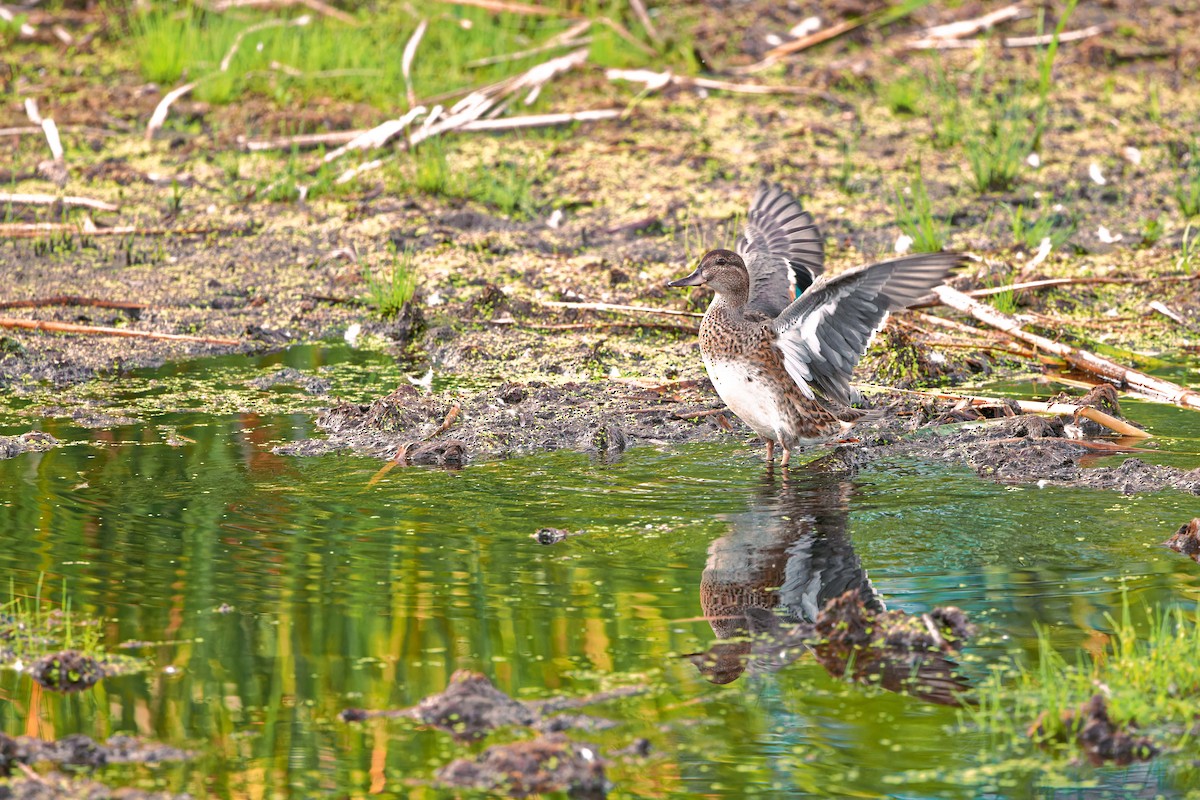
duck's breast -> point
(744, 387)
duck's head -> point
(723, 270)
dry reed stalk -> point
(1083, 360)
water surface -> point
(278, 591)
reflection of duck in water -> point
(768, 581)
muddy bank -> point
(517, 419)
(1022, 449)
(605, 418)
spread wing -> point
(823, 334)
(782, 248)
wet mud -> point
(471, 707)
(521, 769)
(604, 418)
(1009, 446)
(83, 751)
(33, 441)
(54, 786)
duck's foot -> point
(787, 455)
(770, 451)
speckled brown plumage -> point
(729, 334)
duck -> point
(780, 339)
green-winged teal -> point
(783, 363)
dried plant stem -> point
(73, 300)
(1083, 360)
(19, 199)
(101, 330)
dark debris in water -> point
(290, 376)
(83, 751)
(553, 535)
(1101, 739)
(521, 769)
(471, 706)
(1186, 540)
(67, 671)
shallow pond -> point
(278, 591)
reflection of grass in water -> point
(28, 630)
(1149, 673)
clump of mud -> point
(901, 652)
(59, 787)
(1186, 540)
(1097, 735)
(33, 441)
(849, 625)
(67, 671)
(521, 769)
(471, 706)
(854, 637)
(83, 751)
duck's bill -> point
(695, 279)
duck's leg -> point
(787, 454)
(770, 450)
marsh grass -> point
(915, 217)
(390, 286)
(1189, 249)
(1151, 230)
(1149, 672)
(996, 151)
(329, 59)
(292, 181)
(29, 630)
(507, 186)
(903, 95)
(1187, 193)
(949, 123)
(1028, 230)
(1014, 119)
